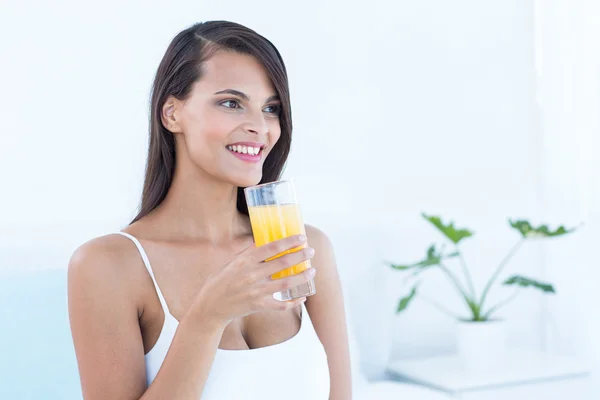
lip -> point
(251, 144)
(250, 158)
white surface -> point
(576, 388)
(399, 107)
(397, 391)
(447, 372)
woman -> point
(179, 305)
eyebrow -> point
(244, 95)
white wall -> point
(569, 60)
(435, 112)
(399, 107)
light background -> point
(399, 108)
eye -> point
(231, 104)
(273, 109)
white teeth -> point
(244, 149)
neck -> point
(199, 207)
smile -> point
(243, 149)
(246, 151)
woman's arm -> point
(104, 311)
(326, 310)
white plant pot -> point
(481, 345)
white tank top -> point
(296, 369)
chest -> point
(180, 272)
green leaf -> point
(433, 257)
(526, 282)
(455, 235)
(528, 231)
(405, 301)
(402, 267)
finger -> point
(277, 305)
(278, 246)
(288, 260)
(279, 285)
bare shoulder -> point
(327, 313)
(100, 263)
(105, 304)
(324, 255)
(317, 237)
(99, 255)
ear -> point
(171, 115)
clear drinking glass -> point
(275, 214)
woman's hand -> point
(244, 285)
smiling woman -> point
(233, 94)
(180, 304)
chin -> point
(248, 180)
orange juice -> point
(274, 222)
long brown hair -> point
(179, 69)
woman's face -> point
(230, 122)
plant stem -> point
(471, 302)
(454, 280)
(411, 277)
(502, 303)
(439, 307)
(498, 271)
(467, 274)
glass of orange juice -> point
(275, 214)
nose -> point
(256, 124)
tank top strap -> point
(149, 269)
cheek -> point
(205, 131)
(274, 131)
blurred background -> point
(475, 111)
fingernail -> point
(311, 252)
(312, 272)
(302, 238)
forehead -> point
(229, 70)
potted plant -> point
(480, 334)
